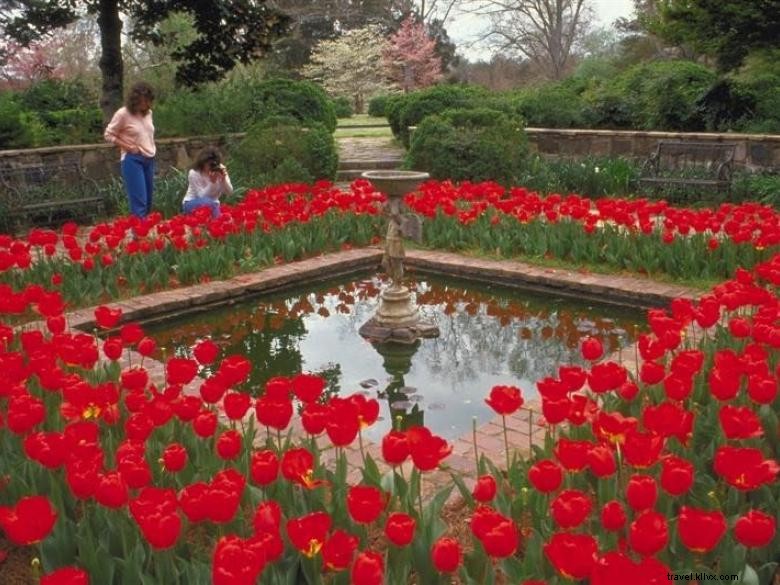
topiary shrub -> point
(280, 150)
(479, 144)
(343, 107)
(416, 106)
(377, 105)
(303, 100)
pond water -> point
(489, 335)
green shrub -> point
(305, 101)
(416, 106)
(280, 150)
(377, 106)
(549, 106)
(658, 95)
(343, 107)
(590, 177)
(74, 126)
(55, 94)
(765, 91)
(393, 107)
(470, 144)
(761, 187)
(13, 131)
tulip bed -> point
(111, 478)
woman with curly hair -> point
(132, 130)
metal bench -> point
(679, 165)
(48, 193)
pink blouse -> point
(132, 130)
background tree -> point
(544, 31)
(229, 31)
(725, 29)
(410, 56)
(351, 65)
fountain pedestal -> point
(397, 318)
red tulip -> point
(676, 475)
(111, 490)
(338, 550)
(308, 533)
(147, 346)
(307, 387)
(365, 503)
(648, 533)
(155, 512)
(106, 317)
(66, 576)
(272, 413)
(205, 424)
(572, 455)
(264, 467)
(174, 457)
(369, 569)
(314, 418)
(546, 476)
(344, 422)
(616, 568)
(484, 489)
(268, 517)
(745, 468)
(700, 530)
(613, 516)
(206, 352)
(642, 449)
(180, 370)
(739, 422)
(236, 404)
(570, 508)
(399, 528)
(755, 529)
(505, 400)
(367, 408)
(229, 445)
(601, 461)
(395, 448)
(298, 467)
(29, 521)
(641, 492)
(591, 348)
(446, 555)
(238, 561)
(572, 555)
(427, 450)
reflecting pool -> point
(489, 335)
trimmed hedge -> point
(343, 107)
(479, 144)
(303, 100)
(377, 105)
(282, 150)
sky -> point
(463, 29)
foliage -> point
(726, 29)
(281, 150)
(55, 94)
(303, 100)
(13, 131)
(659, 95)
(469, 144)
(410, 109)
(549, 106)
(591, 176)
(228, 33)
(410, 56)
(377, 106)
(351, 65)
(343, 107)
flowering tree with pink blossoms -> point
(410, 56)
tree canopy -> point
(725, 29)
(229, 32)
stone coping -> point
(660, 135)
(604, 288)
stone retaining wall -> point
(754, 151)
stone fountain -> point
(397, 319)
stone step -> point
(390, 162)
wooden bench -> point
(48, 193)
(681, 165)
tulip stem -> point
(360, 443)
(279, 439)
(474, 435)
(506, 445)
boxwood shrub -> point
(479, 144)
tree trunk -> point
(111, 67)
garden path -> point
(358, 154)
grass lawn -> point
(361, 120)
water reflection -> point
(489, 335)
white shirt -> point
(200, 185)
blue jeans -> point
(138, 175)
(193, 204)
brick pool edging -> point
(523, 428)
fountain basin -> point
(395, 183)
